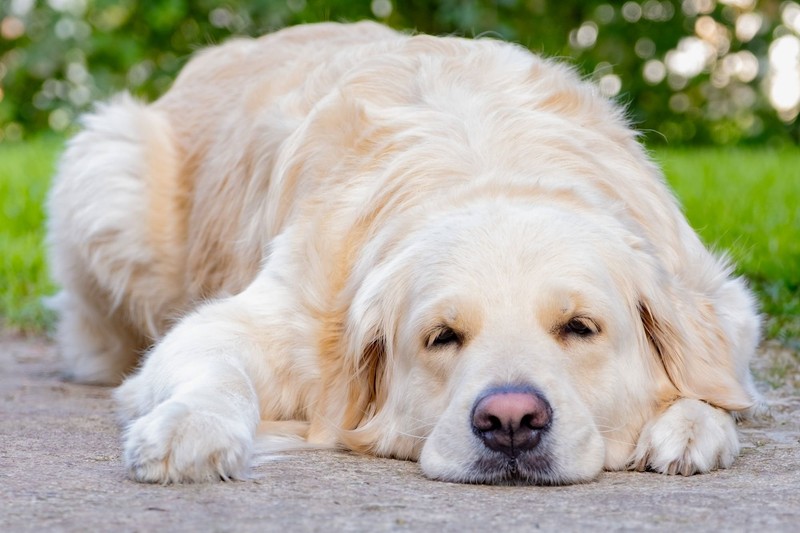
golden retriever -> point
(436, 249)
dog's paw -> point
(176, 443)
(689, 437)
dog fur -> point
(345, 236)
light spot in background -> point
(77, 73)
(586, 35)
(12, 28)
(54, 89)
(791, 16)
(783, 79)
(690, 58)
(381, 8)
(654, 71)
(21, 8)
(41, 100)
(697, 7)
(644, 48)
(604, 13)
(713, 33)
(140, 72)
(631, 11)
(610, 85)
(220, 17)
(741, 4)
(744, 96)
(80, 95)
(13, 132)
(601, 69)
(59, 119)
(76, 7)
(658, 11)
(676, 82)
(679, 103)
(747, 26)
(705, 28)
(65, 28)
(112, 17)
(743, 65)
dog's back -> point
(155, 207)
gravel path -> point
(61, 470)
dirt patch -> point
(61, 470)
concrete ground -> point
(61, 470)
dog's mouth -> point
(533, 468)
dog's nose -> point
(511, 420)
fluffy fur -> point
(345, 236)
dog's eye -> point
(442, 337)
(581, 327)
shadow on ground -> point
(61, 470)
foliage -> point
(694, 70)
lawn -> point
(25, 171)
(745, 202)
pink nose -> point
(511, 420)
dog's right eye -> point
(443, 336)
(581, 327)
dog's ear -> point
(364, 380)
(355, 356)
(353, 378)
(366, 391)
(704, 339)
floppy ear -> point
(363, 379)
(355, 352)
(704, 338)
(353, 387)
(365, 391)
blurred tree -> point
(709, 71)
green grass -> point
(742, 201)
(746, 202)
(25, 171)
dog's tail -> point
(115, 230)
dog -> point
(436, 249)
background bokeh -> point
(691, 71)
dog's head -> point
(526, 294)
(509, 341)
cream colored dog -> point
(437, 249)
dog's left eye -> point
(580, 326)
(442, 337)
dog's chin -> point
(493, 468)
(527, 469)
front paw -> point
(177, 443)
(689, 437)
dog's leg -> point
(96, 348)
(193, 409)
(688, 437)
